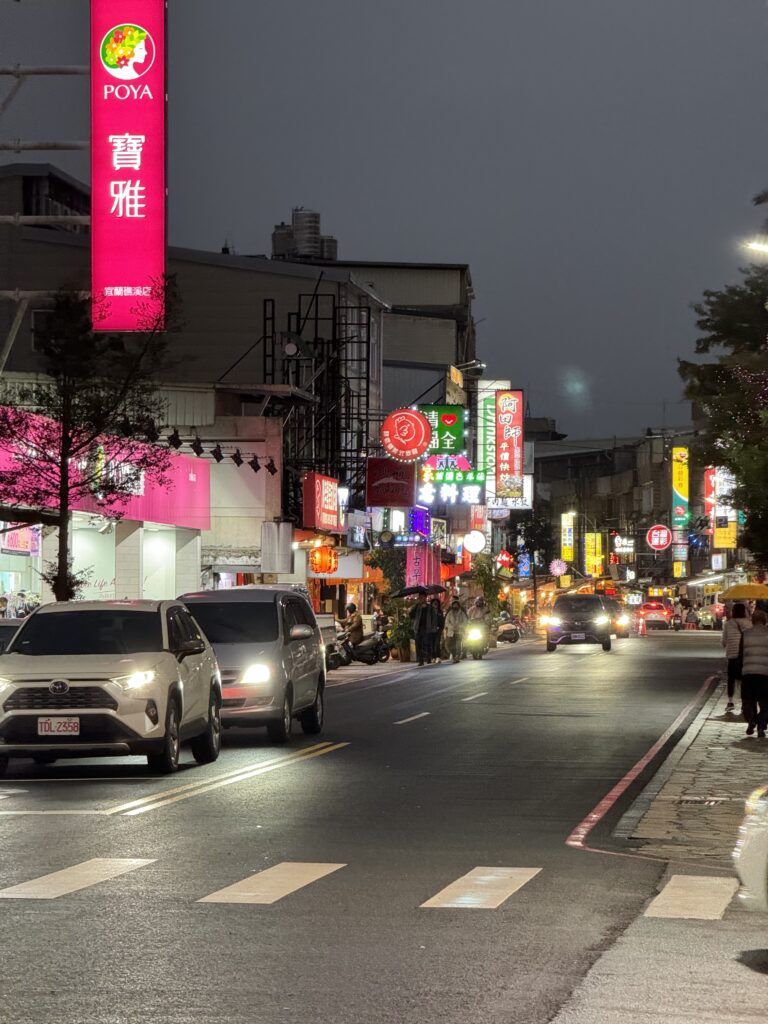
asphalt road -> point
(492, 766)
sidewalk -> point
(692, 809)
(688, 971)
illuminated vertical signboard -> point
(593, 554)
(509, 445)
(679, 488)
(127, 164)
(567, 552)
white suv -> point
(108, 678)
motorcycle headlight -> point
(255, 674)
(135, 680)
(602, 620)
(475, 634)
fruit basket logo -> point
(127, 52)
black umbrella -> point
(434, 588)
(410, 592)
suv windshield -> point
(585, 605)
(236, 622)
(112, 631)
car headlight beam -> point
(255, 674)
(602, 620)
(136, 680)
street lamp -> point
(758, 245)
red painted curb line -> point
(577, 838)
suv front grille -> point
(229, 676)
(40, 698)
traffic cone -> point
(642, 629)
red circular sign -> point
(405, 434)
(659, 537)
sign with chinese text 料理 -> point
(679, 487)
(460, 490)
(447, 423)
(127, 164)
(509, 444)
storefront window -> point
(93, 552)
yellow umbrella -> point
(745, 592)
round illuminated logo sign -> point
(474, 541)
(406, 435)
(659, 537)
(127, 52)
(557, 567)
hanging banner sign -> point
(679, 487)
(593, 554)
(127, 164)
(509, 444)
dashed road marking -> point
(79, 876)
(474, 696)
(522, 679)
(272, 884)
(482, 888)
(697, 897)
(405, 721)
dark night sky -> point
(592, 160)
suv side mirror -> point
(301, 632)
(190, 647)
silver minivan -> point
(270, 654)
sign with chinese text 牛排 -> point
(509, 444)
(127, 164)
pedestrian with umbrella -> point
(424, 624)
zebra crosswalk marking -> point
(79, 876)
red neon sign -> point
(127, 163)
(509, 444)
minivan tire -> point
(606, 645)
(207, 746)
(166, 762)
(551, 647)
(312, 719)
(279, 729)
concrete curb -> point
(642, 803)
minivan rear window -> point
(578, 605)
(236, 622)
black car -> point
(579, 619)
(620, 618)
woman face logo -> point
(127, 52)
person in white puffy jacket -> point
(754, 675)
(733, 631)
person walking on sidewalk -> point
(455, 621)
(424, 625)
(439, 624)
(754, 674)
(731, 641)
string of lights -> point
(239, 457)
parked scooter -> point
(508, 631)
(677, 623)
(476, 639)
(374, 648)
(335, 656)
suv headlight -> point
(553, 620)
(602, 620)
(5, 683)
(623, 620)
(254, 674)
(136, 680)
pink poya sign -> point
(127, 163)
(185, 500)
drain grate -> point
(702, 801)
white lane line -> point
(482, 888)
(698, 897)
(21, 814)
(80, 876)
(287, 762)
(522, 679)
(474, 696)
(405, 721)
(272, 884)
(189, 787)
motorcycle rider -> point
(455, 621)
(353, 624)
(480, 612)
